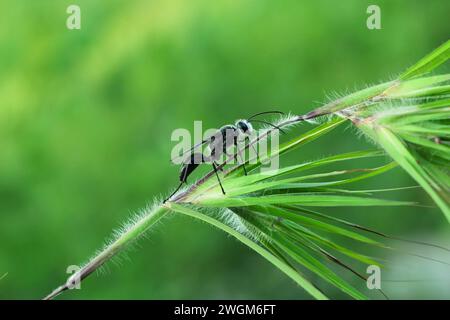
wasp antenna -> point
(191, 149)
(265, 112)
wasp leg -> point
(217, 175)
(173, 193)
(243, 163)
(254, 149)
(220, 168)
(256, 152)
(238, 151)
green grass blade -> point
(332, 244)
(293, 274)
(398, 151)
(417, 87)
(300, 252)
(300, 219)
(429, 62)
(300, 199)
(303, 257)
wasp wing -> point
(182, 156)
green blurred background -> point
(86, 117)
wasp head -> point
(244, 127)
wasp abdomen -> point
(190, 164)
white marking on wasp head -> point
(244, 127)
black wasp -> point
(219, 143)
